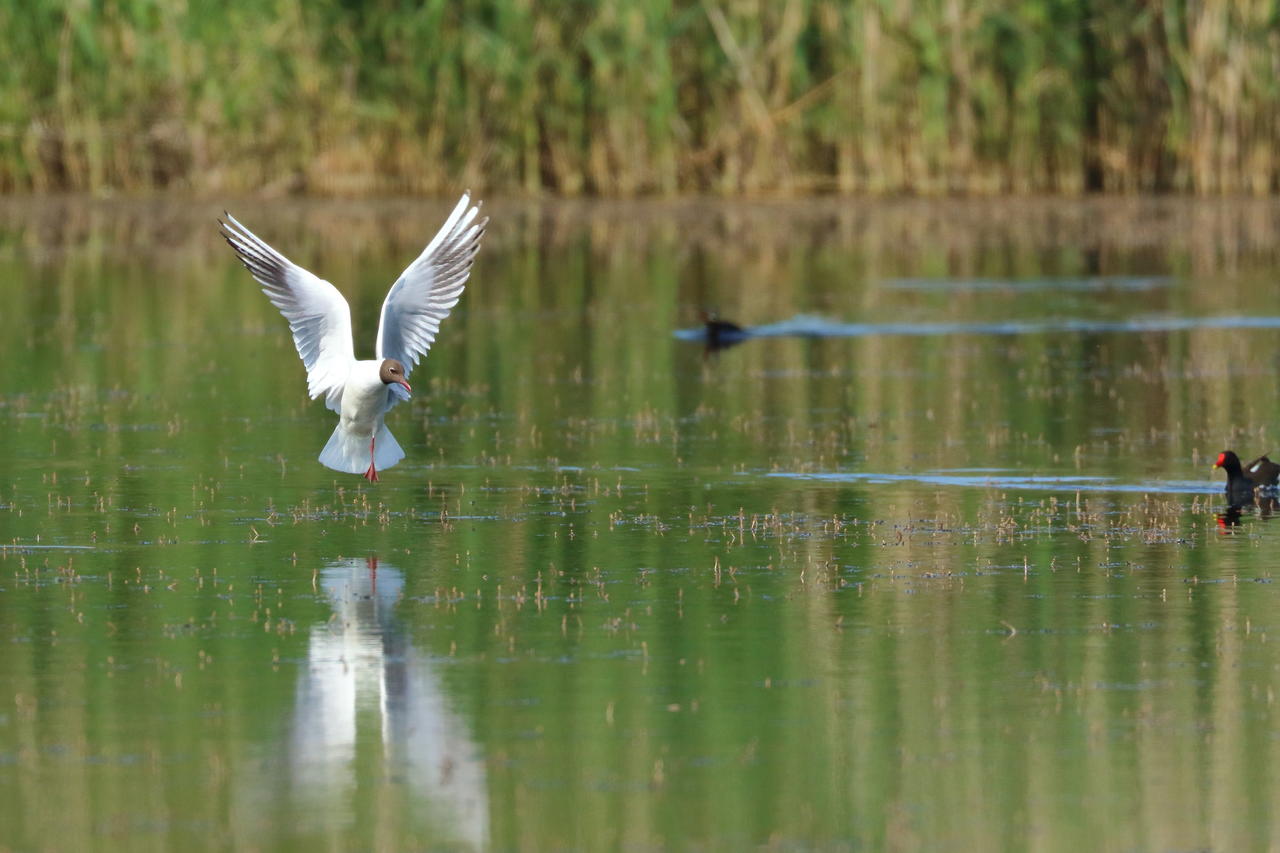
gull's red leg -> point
(372, 474)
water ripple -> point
(1082, 283)
(809, 326)
(994, 480)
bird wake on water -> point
(362, 392)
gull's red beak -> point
(406, 386)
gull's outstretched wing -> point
(318, 315)
(428, 289)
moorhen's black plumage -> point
(1243, 479)
(1263, 472)
(722, 333)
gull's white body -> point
(360, 419)
(320, 320)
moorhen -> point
(722, 333)
(1243, 479)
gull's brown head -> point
(391, 372)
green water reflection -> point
(802, 593)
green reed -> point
(630, 97)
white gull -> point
(362, 392)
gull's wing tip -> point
(233, 221)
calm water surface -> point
(935, 561)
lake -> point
(934, 560)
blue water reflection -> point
(809, 326)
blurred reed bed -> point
(630, 97)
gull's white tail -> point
(350, 453)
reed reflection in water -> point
(969, 589)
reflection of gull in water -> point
(362, 667)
